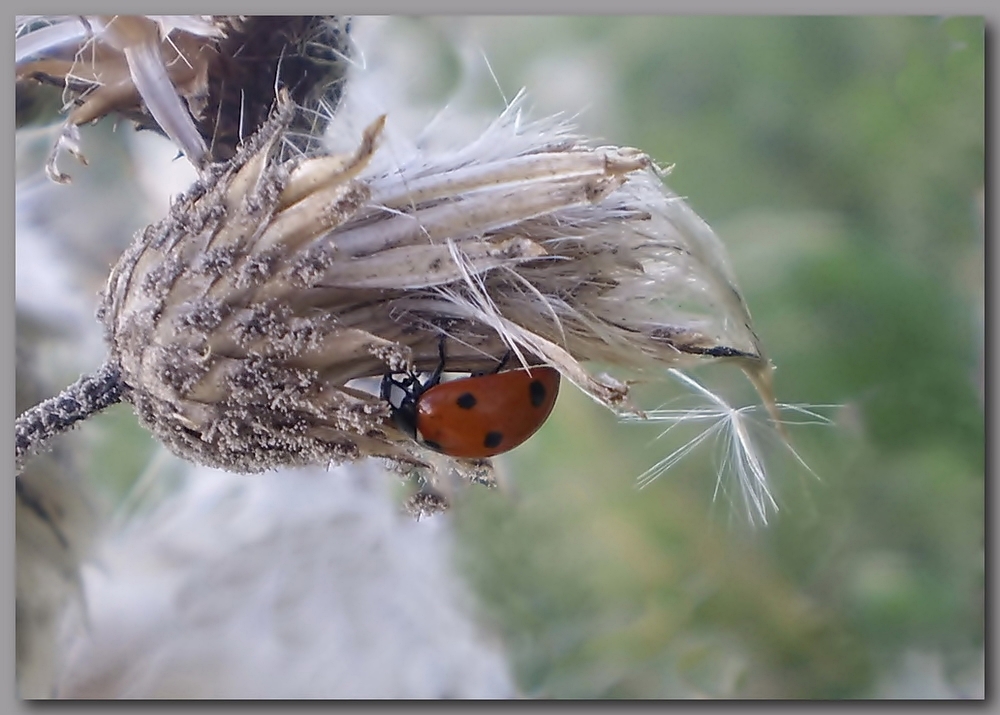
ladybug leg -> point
(498, 368)
(410, 385)
(506, 359)
(435, 377)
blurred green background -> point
(841, 160)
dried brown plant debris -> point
(206, 82)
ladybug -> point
(477, 416)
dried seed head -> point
(204, 81)
(239, 320)
(307, 55)
(221, 362)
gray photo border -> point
(991, 11)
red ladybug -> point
(478, 416)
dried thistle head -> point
(206, 82)
(240, 322)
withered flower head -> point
(239, 321)
(204, 81)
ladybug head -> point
(402, 396)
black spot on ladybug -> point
(537, 392)
(466, 401)
(493, 439)
(433, 445)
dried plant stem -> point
(35, 428)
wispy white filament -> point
(740, 454)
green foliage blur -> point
(841, 160)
